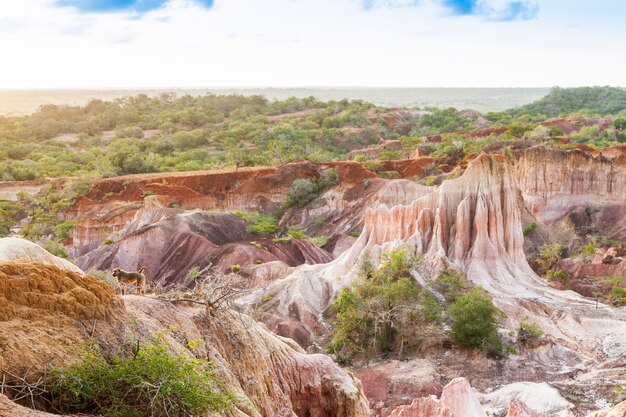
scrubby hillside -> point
(603, 101)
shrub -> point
(450, 284)
(373, 165)
(429, 180)
(529, 228)
(328, 178)
(558, 274)
(56, 248)
(141, 380)
(297, 234)
(474, 322)
(263, 224)
(617, 295)
(549, 255)
(389, 154)
(301, 193)
(588, 251)
(528, 331)
(385, 312)
(390, 175)
(319, 240)
(193, 274)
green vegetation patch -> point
(144, 379)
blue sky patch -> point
(518, 10)
(103, 6)
(504, 12)
(461, 6)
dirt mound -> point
(13, 248)
(35, 290)
(41, 308)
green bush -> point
(302, 192)
(141, 380)
(429, 180)
(319, 240)
(328, 178)
(450, 284)
(56, 248)
(528, 331)
(389, 175)
(474, 322)
(528, 229)
(385, 312)
(297, 234)
(263, 225)
(617, 295)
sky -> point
(281, 43)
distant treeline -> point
(166, 133)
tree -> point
(385, 312)
(474, 322)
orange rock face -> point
(519, 409)
(457, 400)
(423, 407)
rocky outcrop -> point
(554, 182)
(41, 311)
(618, 411)
(274, 374)
(13, 248)
(9, 409)
(393, 383)
(169, 242)
(473, 223)
(457, 400)
(106, 209)
(460, 398)
(423, 407)
(534, 396)
(47, 312)
(518, 409)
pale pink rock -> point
(423, 407)
(517, 408)
(460, 398)
(618, 411)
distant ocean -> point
(20, 102)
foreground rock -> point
(47, 312)
(44, 310)
(272, 373)
(9, 409)
(16, 248)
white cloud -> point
(308, 43)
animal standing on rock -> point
(139, 278)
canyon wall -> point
(473, 223)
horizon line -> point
(321, 87)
